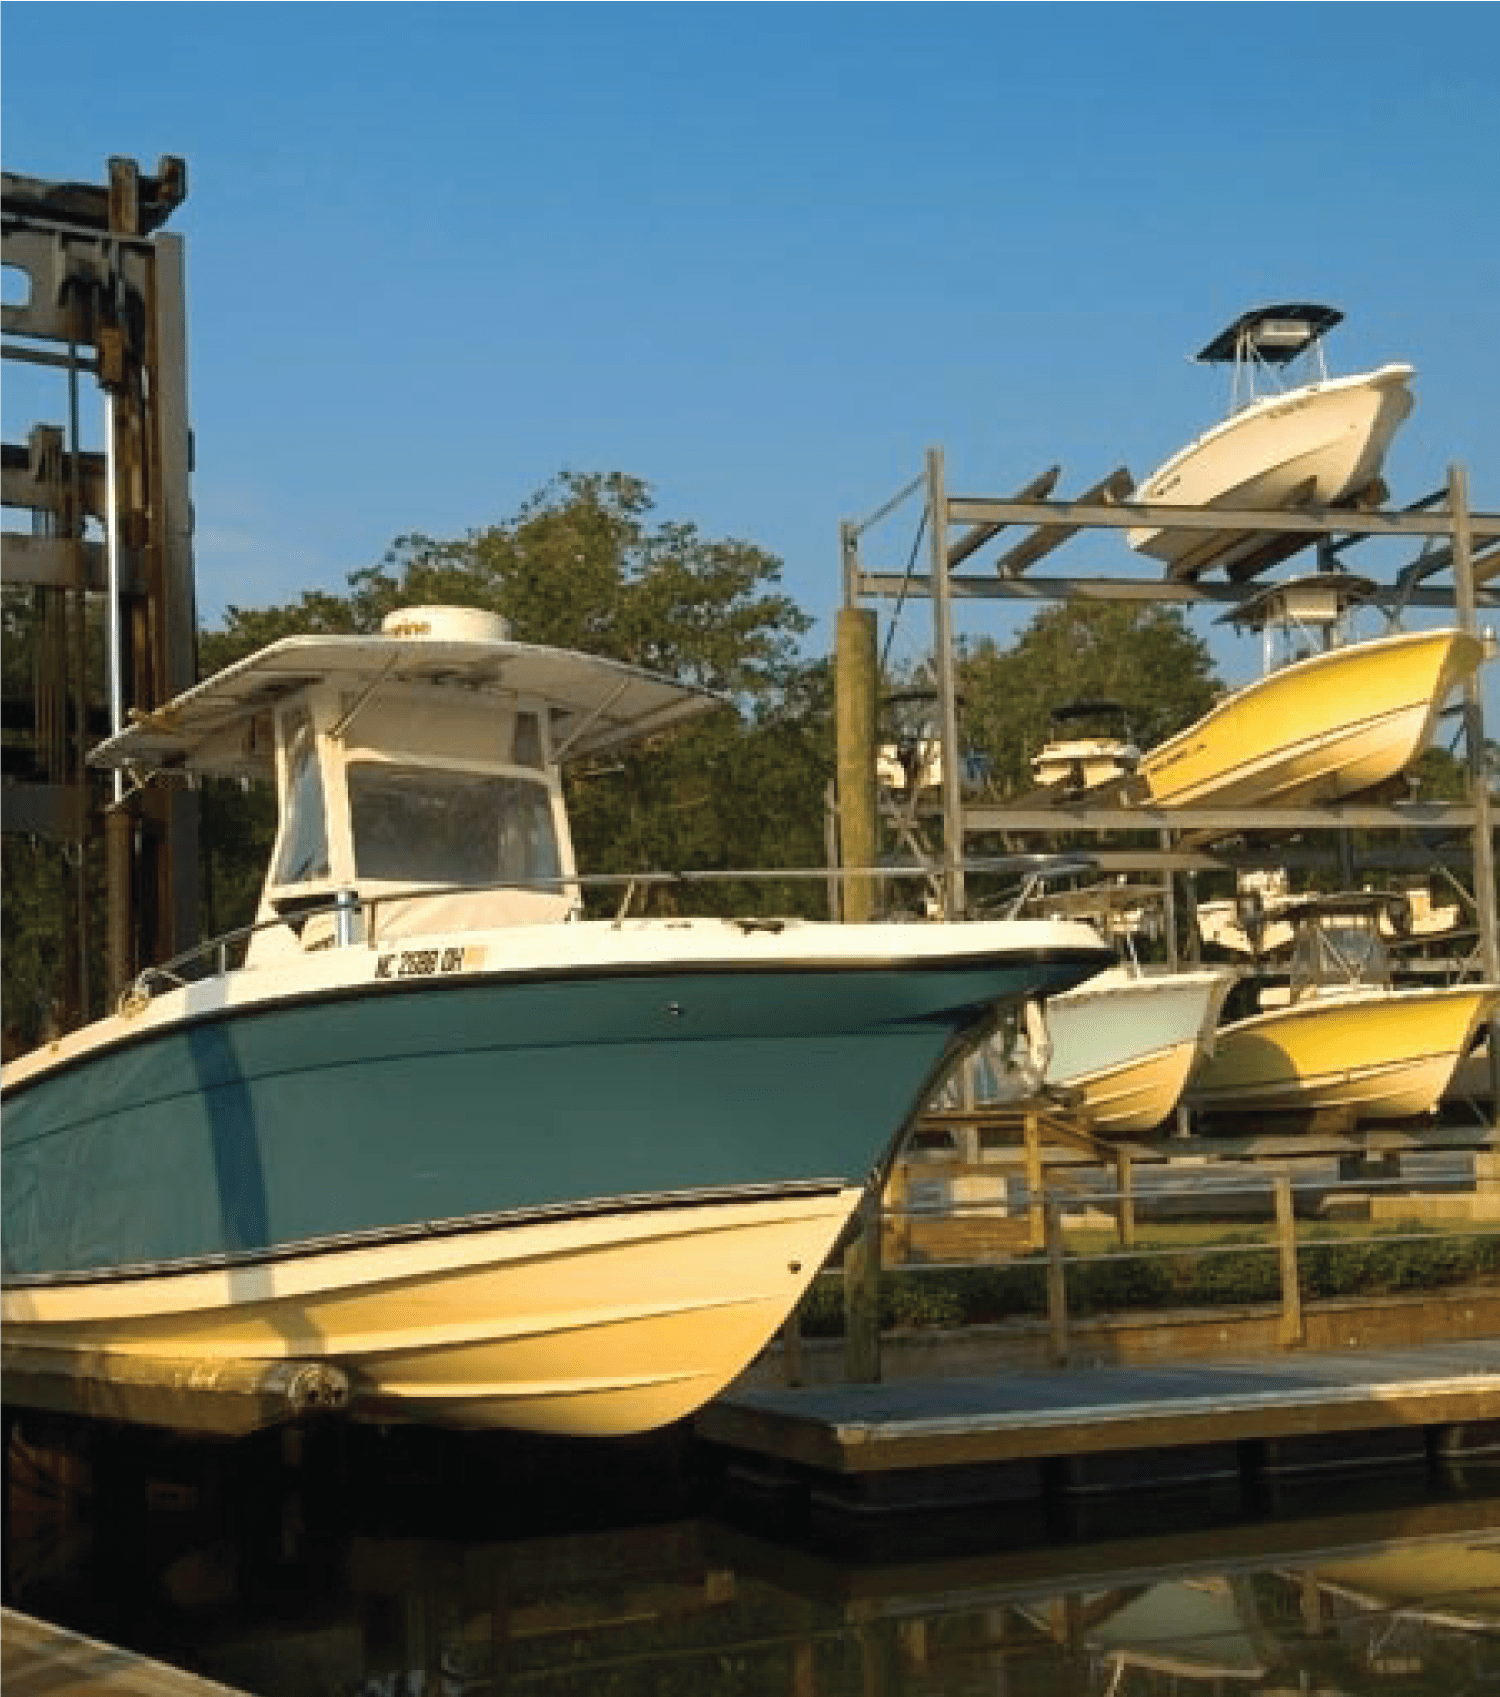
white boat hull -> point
(589, 1325)
(1322, 443)
(1127, 1045)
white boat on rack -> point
(1122, 1047)
(1089, 745)
(497, 1163)
(1319, 442)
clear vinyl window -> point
(303, 851)
(430, 825)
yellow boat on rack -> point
(1332, 720)
(1345, 1039)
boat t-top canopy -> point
(597, 704)
(1275, 335)
(1069, 712)
(1096, 901)
(1317, 598)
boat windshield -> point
(435, 825)
(303, 850)
(1338, 954)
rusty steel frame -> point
(108, 286)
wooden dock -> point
(1111, 1428)
(36, 1657)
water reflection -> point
(399, 1568)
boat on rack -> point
(498, 1163)
(1329, 718)
(1122, 1047)
(1126, 1044)
(1089, 745)
(1250, 922)
(1345, 1039)
(1320, 442)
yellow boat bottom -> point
(591, 1325)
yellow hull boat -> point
(1381, 1054)
(1333, 725)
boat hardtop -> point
(1275, 335)
(1317, 598)
(419, 768)
(221, 725)
(1069, 715)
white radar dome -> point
(446, 624)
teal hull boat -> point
(462, 1154)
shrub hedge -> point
(1329, 1266)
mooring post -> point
(862, 1296)
(1486, 910)
(1057, 1282)
(1036, 1232)
(1125, 1206)
(855, 670)
(1291, 1284)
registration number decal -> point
(427, 963)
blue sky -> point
(764, 256)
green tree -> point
(1139, 655)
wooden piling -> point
(862, 1297)
(1057, 1283)
(855, 675)
(1291, 1284)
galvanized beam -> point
(1293, 856)
(173, 590)
(72, 278)
(40, 476)
(64, 562)
(942, 659)
(1424, 816)
(129, 203)
(1038, 489)
(1131, 515)
(963, 586)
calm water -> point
(401, 1564)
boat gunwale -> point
(1363, 996)
(1189, 978)
(47, 1068)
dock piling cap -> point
(446, 624)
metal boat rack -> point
(958, 527)
(1450, 539)
(110, 542)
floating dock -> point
(1020, 1433)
